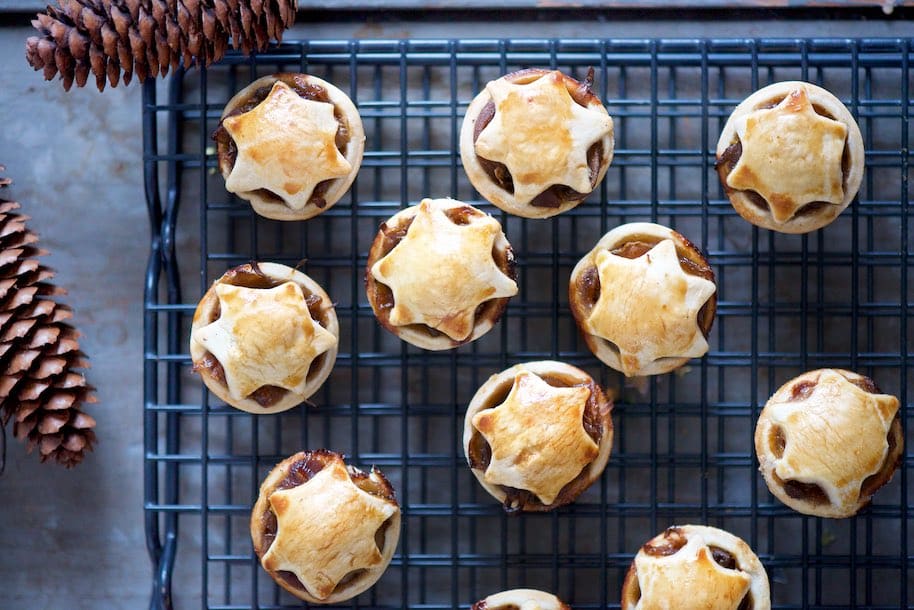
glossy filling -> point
(812, 492)
(727, 161)
(299, 473)
(382, 296)
(228, 151)
(673, 539)
(557, 194)
(250, 276)
(690, 260)
(482, 605)
(479, 453)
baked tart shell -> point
(488, 314)
(261, 540)
(726, 549)
(690, 257)
(810, 499)
(487, 397)
(481, 179)
(207, 311)
(747, 204)
(269, 207)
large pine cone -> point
(40, 390)
(146, 37)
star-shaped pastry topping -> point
(791, 156)
(541, 135)
(537, 437)
(326, 529)
(690, 578)
(648, 307)
(441, 271)
(835, 437)
(264, 337)
(286, 144)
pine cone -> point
(144, 38)
(39, 389)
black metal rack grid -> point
(683, 447)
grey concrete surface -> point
(74, 539)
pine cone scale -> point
(52, 423)
(60, 401)
(22, 362)
(78, 44)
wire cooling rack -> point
(683, 446)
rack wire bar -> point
(683, 448)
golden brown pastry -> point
(644, 299)
(695, 567)
(521, 599)
(790, 157)
(440, 274)
(827, 441)
(291, 144)
(264, 337)
(536, 142)
(538, 434)
(324, 531)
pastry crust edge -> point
(490, 190)
(854, 143)
(419, 338)
(767, 461)
(758, 577)
(540, 367)
(358, 585)
(600, 347)
(207, 304)
(354, 150)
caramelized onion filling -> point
(673, 540)
(807, 492)
(723, 558)
(777, 442)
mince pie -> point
(440, 274)
(536, 142)
(644, 299)
(291, 144)
(538, 434)
(264, 337)
(324, 531)
(695, 567)
(790, 157)
(521, 599)
(827, 441)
